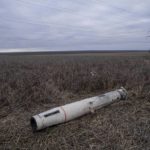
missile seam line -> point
(65, 114)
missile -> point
(74, 110)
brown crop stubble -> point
(32, 84)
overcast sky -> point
(74, 25)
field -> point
(30, 84)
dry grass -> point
(32, 84)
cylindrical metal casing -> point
(76, 109)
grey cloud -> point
(68, 24)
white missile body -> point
(76, 109)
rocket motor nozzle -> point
(123, 92)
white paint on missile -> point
(74, 110)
